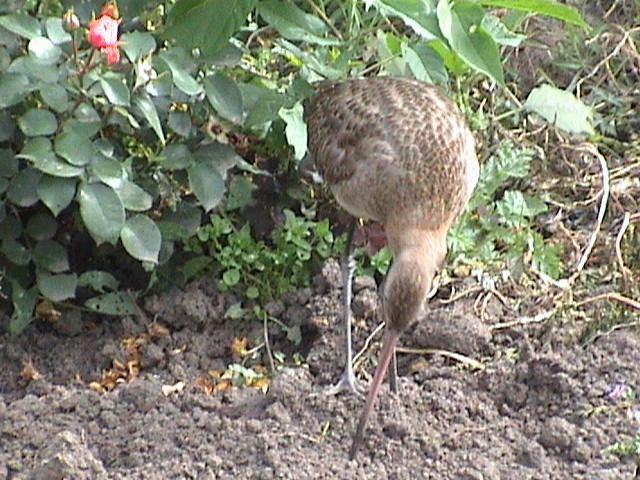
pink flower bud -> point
(112, 54)
(70, 22)
(103, 32)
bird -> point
(397, 151)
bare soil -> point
(538, 409)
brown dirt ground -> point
(538, 410)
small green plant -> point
(263, 269)
(501, 227)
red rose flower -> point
(103, 32)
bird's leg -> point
(393, 373)
(348, 380)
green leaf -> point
(44, 51)
(23, 187)
(500, 33)
(206, 24)
(10, 228)
(141, 238)
(16, 252)
(550, 8)
(177, 61)
(133, 197)
(37, 121)
(41, 226)
(176, 156)
(224, 96)
(263, 105)
(51, 256)
(74, 147)
(13, 88)
(24, 304)
(240, 193)
(137, 45)
(207, 185)
(98, 281)
(56, 97)
(23, 25)
(231, 277)
(461, 26)
(561, 108)
(56, 193)
(296, 129)
(102, 212)
(293, 23)
(114, 303)
(108, 170)
(420, 15)
(425, 63)
(180, 123)
(148, 109)
(38, 150)
(55, 31)
(57, 287)
(115, 89)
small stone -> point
(150, 355)
(70, 323)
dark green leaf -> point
(23, 187)
(23, 25)
(461, 26)
(44, 51)
(56, 193)
(24, 304)
(207, 185)
(10, 228)
(561, 108)
(550, 8)
(141, 238)
(420, 15)
(114, 303)
(74, 147)
(115, 89)
(133, 197)
(101, 211)
(37, 121)
(296, 129)
(176, 156)
(224, 95)
(108, 170)
(148, 109)
(56, 97)
(177, 61)
(57, 287)
(55, 31)
(41, 226)
(15, 252)
(51, 256)
(98, 280)
(137, 45)
(293, 23)
(206, 24)
(13, 88)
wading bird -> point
(396, 151)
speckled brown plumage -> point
(402, 139)
(399, 152)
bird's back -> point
(392, 148)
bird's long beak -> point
(388, 347)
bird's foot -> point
(347, 382)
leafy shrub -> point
(113, 155)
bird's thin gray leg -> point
(348, 380)
(393, 373)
